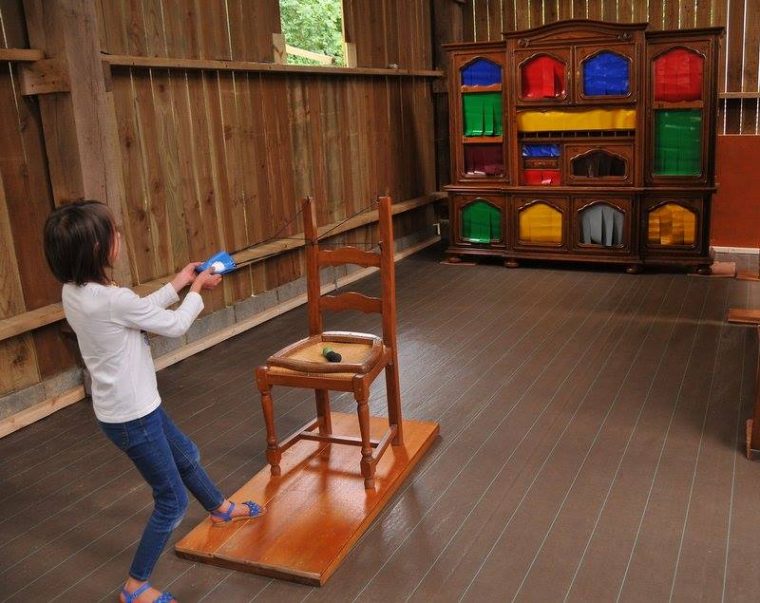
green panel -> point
(481, 223)
(678, 142)
(482, 114)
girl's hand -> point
(206, 280)
(185, 276)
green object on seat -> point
(482, 113)
(678, 142)
(481, 222)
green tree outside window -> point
(313, 25)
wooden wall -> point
(25, 201)
(201, 160)
(736, 206)
(214, 159)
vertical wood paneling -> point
(168, 158)
(739, 65)
(216, 164)
(25, 200)
(18, 367)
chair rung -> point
(348, 255)
(351, 301)
(336, 439)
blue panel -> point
(540, 150)
(606, 74)
(481, 72)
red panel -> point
(541, 177)
(736, 206)
(543, 77)
(483, 159)
(678, 76)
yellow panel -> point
(593, 119)
(540, 223)
(672, 224)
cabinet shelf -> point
(475, 89)
(482, 139)
(677, 105)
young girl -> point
(81, 245)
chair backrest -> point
(317, 258)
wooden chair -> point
(364, 356)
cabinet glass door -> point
(540, 224)
(672, 224)
(481, 223)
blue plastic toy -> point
(221, 262)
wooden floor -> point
(591, 450)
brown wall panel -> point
(736, 206)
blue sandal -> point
(225, 517)
(164, 597)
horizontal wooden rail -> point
(215, 65)
(34, 319)
(49, 406)
(23, 55)
(740, 95)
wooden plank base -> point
(747, 276)
(743, 316)
(316, 510)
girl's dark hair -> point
(78, 242)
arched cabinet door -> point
(540, 221)
(479, 220)
(681, 93)
(672, 224)
(543, 76)
(602, 224)
(606, 74)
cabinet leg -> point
(511, 263)
(704, 269)
(634, 269)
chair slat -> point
(351, 301)
(348, 255)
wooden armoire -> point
(584, 141)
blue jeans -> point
(169, 461)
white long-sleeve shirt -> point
(109, 323)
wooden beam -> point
(21, 55)
(743, 316)
(214, 65)
(40, 411)
(80, 130)
(28, 321)
(739, 95)
(322, 59)
(44, 77)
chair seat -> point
(360, 353)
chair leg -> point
(323, 411)
(273, 450)
(393, 391)
(367, 463)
